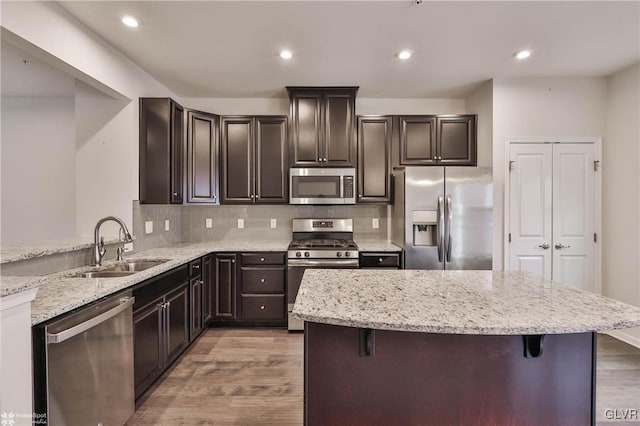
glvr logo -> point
(8, 419)
(621, 414)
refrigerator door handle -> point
(447, 228)
(440, 229)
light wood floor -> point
(255, 377)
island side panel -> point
(438, 379)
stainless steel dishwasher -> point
(83, 365)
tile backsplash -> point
(188, 223)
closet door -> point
(530, 212)
(573, 214)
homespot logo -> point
(15, 419)
(621, 414)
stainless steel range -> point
(319, 244)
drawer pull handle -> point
(261, 280)
(262, 307)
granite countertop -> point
(376, 245)
(456, 302)
(60, 292)
(47, 248)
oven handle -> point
(322, 263)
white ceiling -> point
(35, 78)
(229, 49)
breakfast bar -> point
(450, 347)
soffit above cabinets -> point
(231, 49)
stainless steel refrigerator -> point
(442, 217)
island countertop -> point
(456, 302)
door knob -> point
(561, 246)
(544, 246)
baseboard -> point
(627, 338)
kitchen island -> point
(450, 347)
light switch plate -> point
(274, 223)
(240, 223)
(208, 222)
(375, 223)
(148, 227)
(128, 247)
(166, 224)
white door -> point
(530, 186)
(573, 214)
(552, 205)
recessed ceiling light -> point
(404, 54)
(522, 54)
(286, 54)
(130, 21)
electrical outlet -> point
(240, 223)
(128, 247)
(148, 227)
(166, 225)
(375, 223)
(208, 222)
(274, 223)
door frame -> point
(597, 195)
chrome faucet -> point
(98, 242)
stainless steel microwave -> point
(322, 186)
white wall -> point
(45, 30)
(540, 107)
(38, 169)
(621, 192)
(102, 160)
(481, 102)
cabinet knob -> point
(262, 307)
(233, 261)
(214, 197)
(379, 260)
(261, 280)
(262, 259)
(257, 196)
(175, 194)
(325, 160)
(252, 197)
(435, 158)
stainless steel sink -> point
(135, 265)
(121, 269)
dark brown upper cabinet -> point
(437, 140)
(374, 158)
(254, 159)
(202, 153)
(322, 126)
(161, 144)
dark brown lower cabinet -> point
(377, 377)
(196, 323)
(161, 325)
(208, 281)
(225, 287)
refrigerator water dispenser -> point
(425, 228)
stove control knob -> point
(339, 254)
(347, 253)
(298, 254)
(306, 254)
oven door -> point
(296, 268)
(321, 186)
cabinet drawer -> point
(380, 260)
(263, 280)
(195, 268)
(262, 307)
(263, 258)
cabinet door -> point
(237, 160)
(202, 144)
(374, 159)
(339, 128)
(148, 345)
(225, 286)
(306, 128)
(197, 307)
(177, 321)
(155, 150)
(271, 160)
(417, 140)
(177, 147)
(457, 140)
(208, 274)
